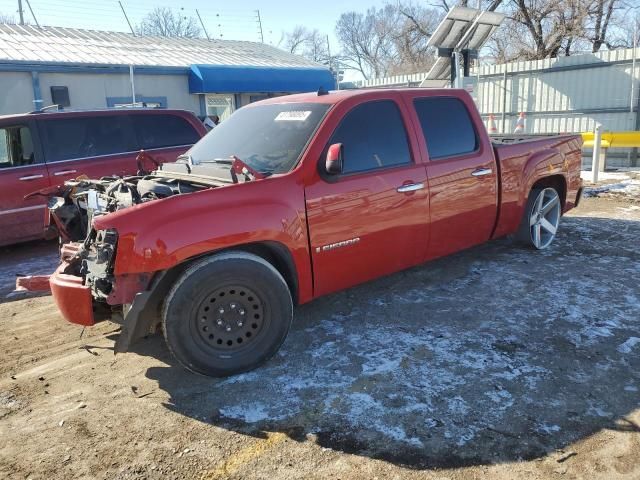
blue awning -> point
(250, 79)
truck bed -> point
(516, 138)
(516, 157)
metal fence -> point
(560, 95)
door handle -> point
(410, 187)
(31, 177)
(480, 172)
(64, 172)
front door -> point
(372, 219)
(463, 179)
(22, 171)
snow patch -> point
(627, 346)
(547, 429)
(250, 413)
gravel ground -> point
(497, 361)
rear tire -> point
(541, 218)
(227, 314)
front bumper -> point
(72, 297)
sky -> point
(235, 20)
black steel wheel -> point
(229, 319)
(227, 314)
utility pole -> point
(633, 65)
(335, 72)
(20, 12)
(126, 18)
(133, 86)
(202, 23)
(260, 26)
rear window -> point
(85, 137)
(158, 131)
(447, 127)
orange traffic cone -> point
(520, 124)
(491, 124)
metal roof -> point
(59, 45)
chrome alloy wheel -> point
(545, 218)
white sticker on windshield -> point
(293, 116)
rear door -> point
(461, 170)
(93, 145)
(165, 136)
(22, 171)
(372, 219)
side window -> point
(158, 131)
(372, 136)
(85, 137)
(16, 147)
(447, 126)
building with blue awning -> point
(87, 69)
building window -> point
(220, 105)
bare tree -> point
(311, 44)
(294, 40)
(164, 22)
(10, 19)
(626, 32)
(414, 26)
(366, 40)
(537, 29)
(388, 40)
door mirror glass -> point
(333, 163)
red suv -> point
(41, 149)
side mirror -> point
(333, 163)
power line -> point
(32, 14)
(127, 19)
(232, 24)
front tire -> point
(541, 218)
(227, 314)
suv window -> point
(16, 147)
(85, 137)
(447, 126)
(372, 136)
(158, 131)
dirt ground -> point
(497, 362)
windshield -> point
(268, 138)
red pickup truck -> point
(293, 198)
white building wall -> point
(16, 92)
(91, 90)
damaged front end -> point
(86, 287)
(77, 202)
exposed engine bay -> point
(81, 200)
(74, 205)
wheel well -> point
(555, 181)
(279, 256)
(273, 252)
